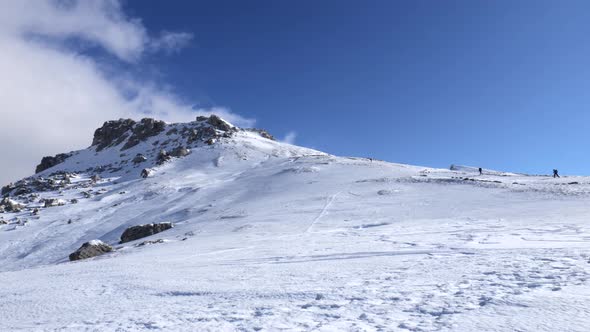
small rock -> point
(49, 202)
(139, 158)
(146, 172)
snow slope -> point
(270, 236)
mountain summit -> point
(206, 226)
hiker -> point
(480, 171)
(555, 173)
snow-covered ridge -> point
(271, 236)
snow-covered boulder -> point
(91, 249)
(141, 231)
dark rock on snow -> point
(91, 249)
(139, 158)
(218, 123)
(146, 128)
(48, 162)
(141, 231)
(111, 132)
(180, 152)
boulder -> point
(49, 161)
(49, 202)
(139, 158)
(141, 231)
(180, 151)
(91, 249)
(146, 172)
(163, 157)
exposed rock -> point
(9, 205)
(149, 242)
(112, 133)
(201, 118)
(219, 123)
(141, 231)
(74, 201)
(49, 202)
(163, 157)
(139, 158)
(91, 249)
(7, 188)
(95, 178)
(180, 151)
(146, 128)
(49, 161)
(35, 212)
(146, 172)
(211, 141)
(262, 133)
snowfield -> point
(269, 237)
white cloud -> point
(290, 137)
(52, 97)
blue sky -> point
(498, 84)
(501, 84)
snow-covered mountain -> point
(271, 236)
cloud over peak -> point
(53, 95)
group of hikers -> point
(555, 172)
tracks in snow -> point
(329, 201)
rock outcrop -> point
(141, 231)
(218, 123)
(146, 128)
(90, 249)
(112, 133)
(49, 161)
(49, 202)
(8, 205)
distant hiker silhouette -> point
(480, 171)
(555, 173)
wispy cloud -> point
(171, 42)
(52, 95)
(290, 137)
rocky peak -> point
(112, 133)
(147, 127)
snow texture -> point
(270, 236)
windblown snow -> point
(269, 236)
